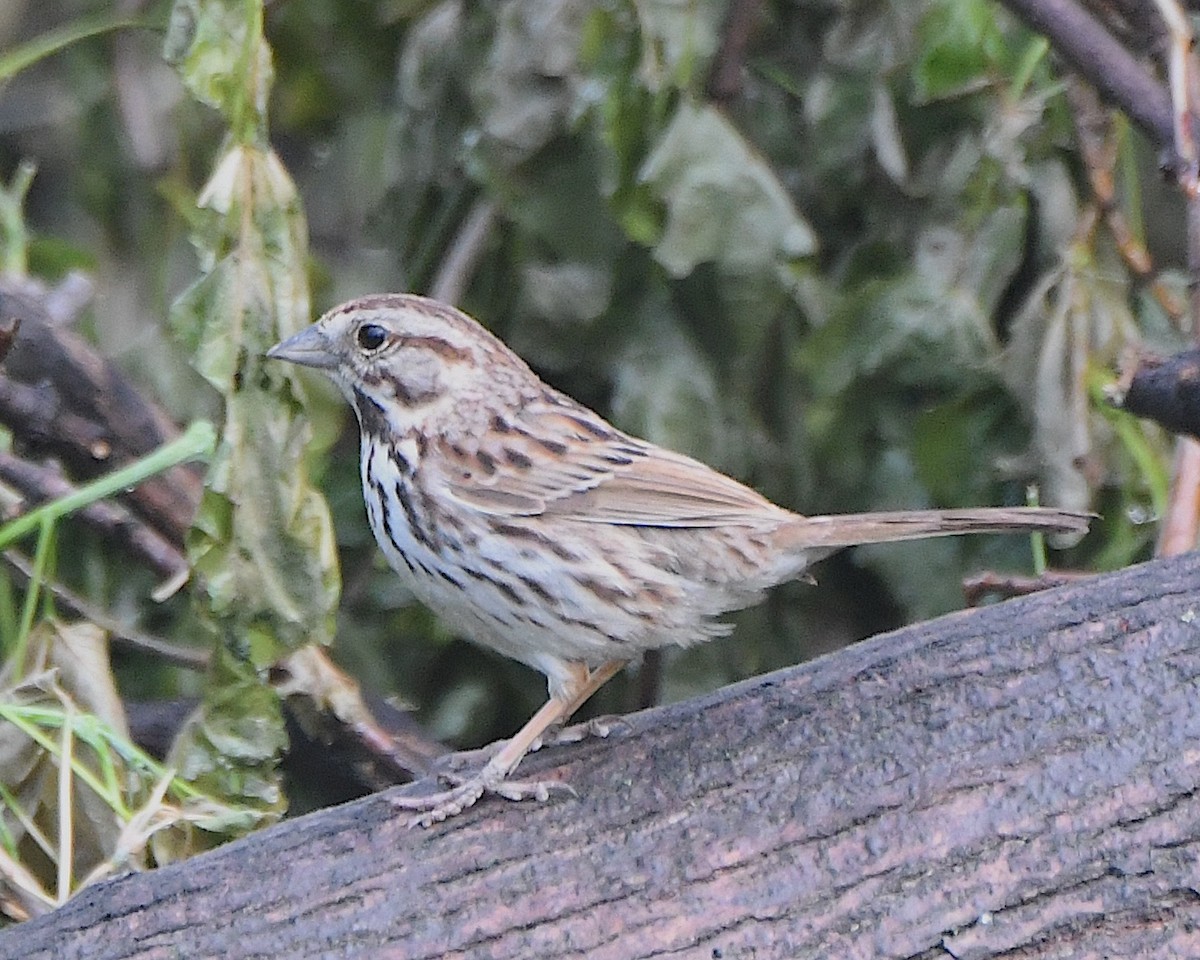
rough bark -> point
(1014, 781)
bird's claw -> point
(599, 727)
(466, 791)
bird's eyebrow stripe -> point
(443, 348)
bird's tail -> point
(830, 533)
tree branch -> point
(1019, 779)
(58, 396)
(1101, 60)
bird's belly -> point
(497, 609)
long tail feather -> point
(851, 529)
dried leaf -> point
(67, 673)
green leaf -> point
(18, 58)
(262, 544)
(723, 203)
(678, 40)
(960, 44)
(219, 50)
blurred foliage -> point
(872, 276)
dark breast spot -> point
(554, 446)
(501, 585)
(517, 458)
(404, 496)
(400, 460)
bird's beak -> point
(309, 348)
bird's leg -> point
(493, 777)
(595, 727)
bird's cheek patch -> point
(417, 377)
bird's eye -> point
(371, 336)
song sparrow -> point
(536, 528)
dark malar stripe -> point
(371, 415)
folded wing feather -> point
(603, 476)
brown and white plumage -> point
(536, 528)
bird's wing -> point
(562, 460)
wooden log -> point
(1018, 780)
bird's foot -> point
(599, 727)
(465, 791)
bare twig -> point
(1182, 521)
(329, 706)
(120, 634)
(725, 78)
(649, 680)
(8, 332)
(1105, 63)
(460, 261)
(59, 396)
(39, 483)
(1005, 586)
(1181, 78)
(1098, 146)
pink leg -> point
(492, 778)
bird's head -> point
(401, 359)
